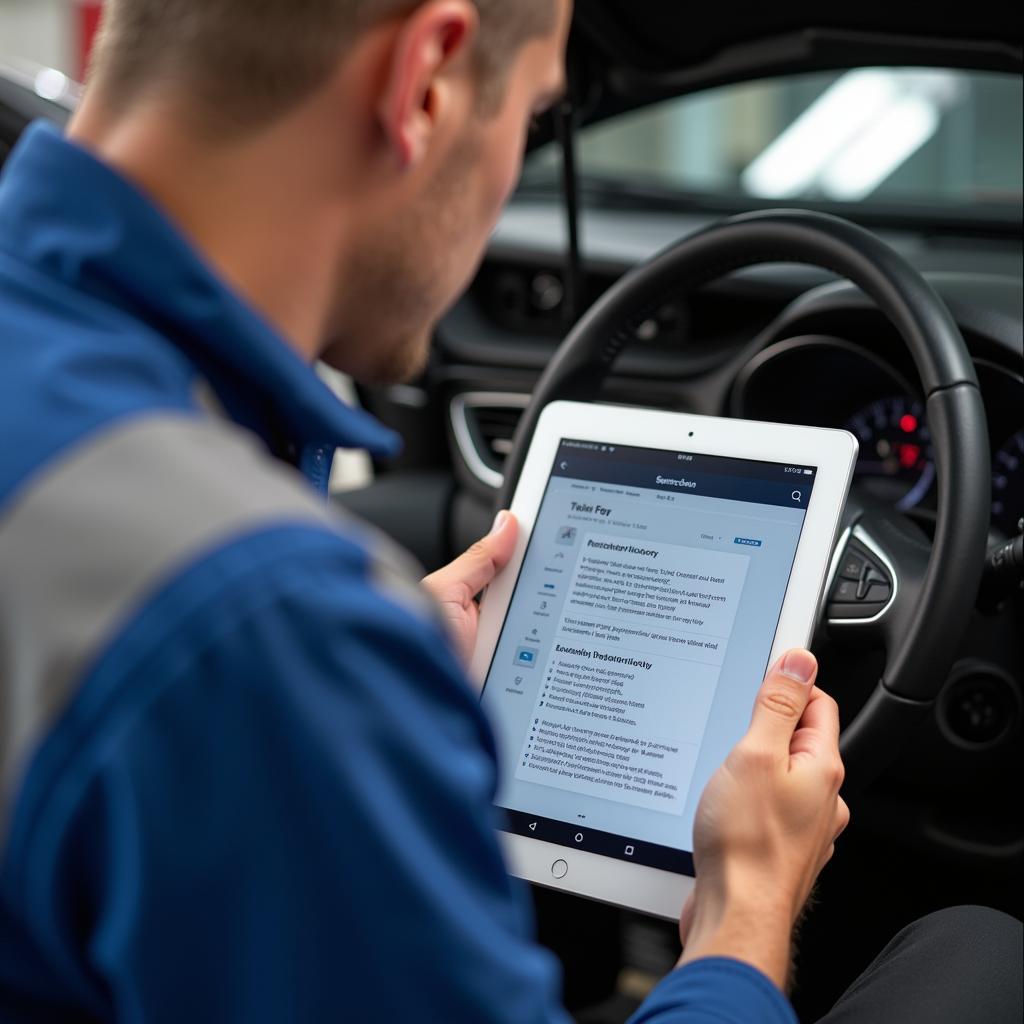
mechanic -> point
(243, 775)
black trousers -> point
(962, 965)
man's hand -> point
(456, 586)
(767, 823)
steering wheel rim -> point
(938, 594)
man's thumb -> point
(782, 698)
(498, 545)
(478, 566)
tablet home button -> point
(559, 869)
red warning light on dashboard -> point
(908, 423)
(909, 454)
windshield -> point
(892, 136)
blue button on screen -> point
(750, 542)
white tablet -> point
(664, 560)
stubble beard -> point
(399, 289)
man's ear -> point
(432, 45)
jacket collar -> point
(74, 218)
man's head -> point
(395, 126)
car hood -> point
(642, 49)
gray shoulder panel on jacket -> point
(110, 521)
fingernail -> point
(499, 522)
(798, 665)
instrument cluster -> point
(830, 382)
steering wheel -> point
(928, 591)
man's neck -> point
(257, 210)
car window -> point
(884, 135)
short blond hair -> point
(246, 62)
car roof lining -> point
(661, 38)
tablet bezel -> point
(833, 453)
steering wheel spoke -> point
(875, 576)
(864, 586)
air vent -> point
(483, 424)
(496, 428)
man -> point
(243, 776)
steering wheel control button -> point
(560, 868)
(868, 580)
(844, 590)
(862, 586)
(852, 567)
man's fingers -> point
(781, 701)
(842, 817)
(464, 578)
(686, 917)
(818, 735)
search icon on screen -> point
(797, 495)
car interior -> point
(810, 216)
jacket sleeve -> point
(715, 990)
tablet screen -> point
(636, 638)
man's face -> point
(417, 260)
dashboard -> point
(780, 342)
